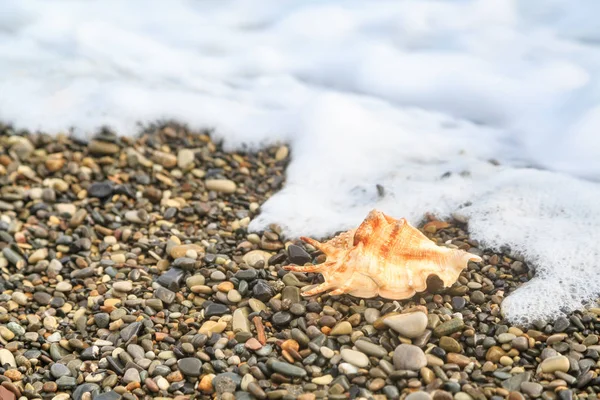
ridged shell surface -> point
(384, 257)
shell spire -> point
(384, 257)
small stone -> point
(215, 309)
(342, 328)
(38, 255)
(420, 395)
(15, 328)
(131, 375)
(49, 387)
(297, 255)
(165, 295)
(449, 327)
(565, 395)
(12, 256)
(450, 344)
(13, 374)
(66, 382)
(532, 389)
(409, 357)
(371, 315)
(326, 352)
(131, 330)
(506, 337)
(561, 324)
(185, 158)
(322, 380)
(173, 278)
(477, 297)
(281, 153)
(180, 250)
(281, 318)
(42, 298)
(288, 369)
(167, 160)
(409, 325)
(458, 359)
(253, 344)
(494, 354)
(252, 258)
(190, 366)
(64, 286)
(240, 321)
(371, 349)
(101, 320)
(256, 391)
(20, 298)
(520, 343)
(57, 370)
(123, 286)
(514, 383)
(355, 358)
(6, 334)
(221, 185)
(100, 148)
(556, 363)
(458, 303)
(100, 189)
(136, 351)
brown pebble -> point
(205, 384)
(13, 374)
(49, 387)
(131, 386)
(458, 359)
(494, 354)
(255, 389)
(515, 396)
(290, 344)
(152, 386)
(175, 376)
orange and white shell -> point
(385, 257)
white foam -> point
(386, 93)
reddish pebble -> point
(152, 386)
(253, 344)
(6, 394)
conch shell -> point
(385, 257)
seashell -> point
(383, 256)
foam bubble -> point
(412, 97)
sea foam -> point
(415, 97)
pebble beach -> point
(127, 272)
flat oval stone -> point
(100, 189)
(409, 325)
(220, 185)
(288, 369)
(371, 349)
(215, 309)
(355, 358)
(190, 366)
(556, 363)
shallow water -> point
(415, 96)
